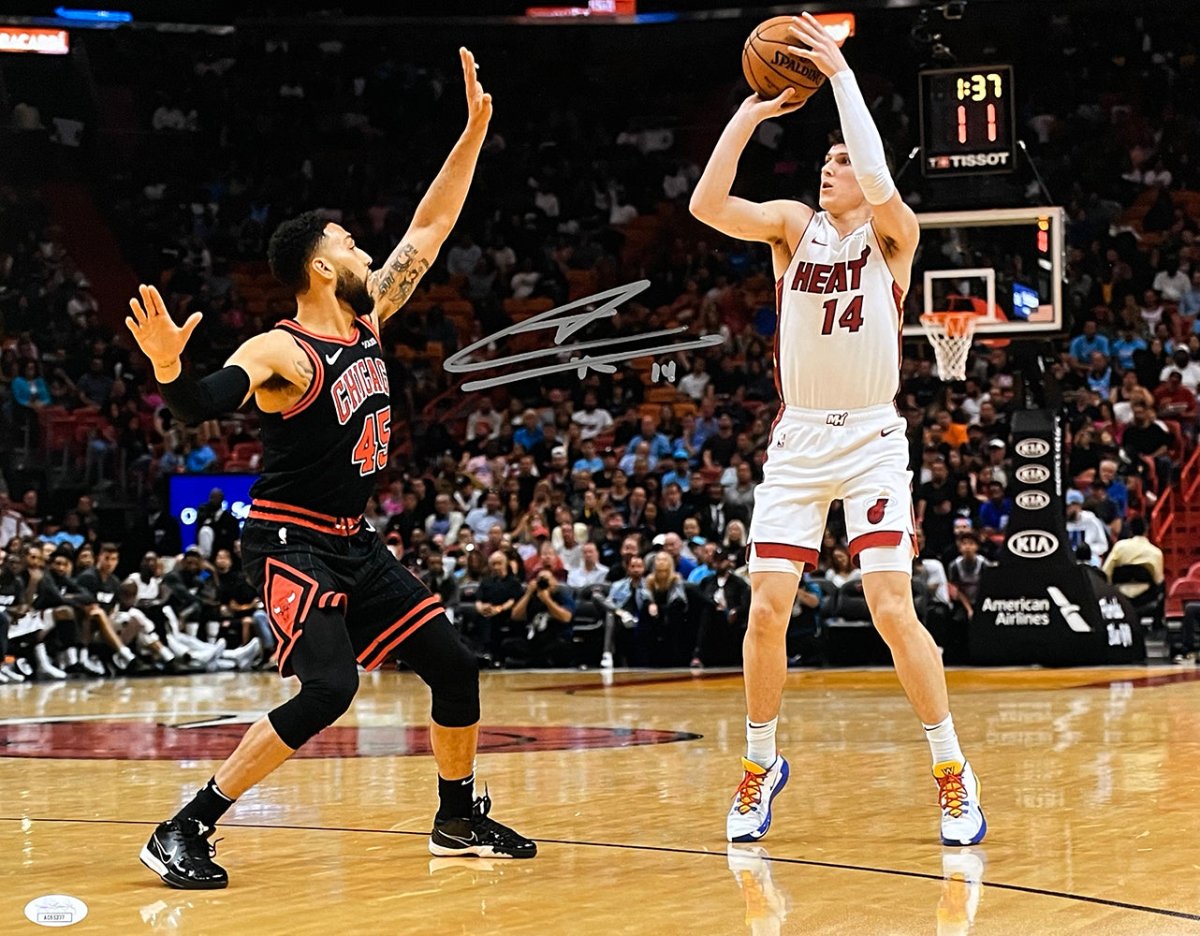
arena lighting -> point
(93, 17)
(594, 8)
(37, 41)
(840, 25)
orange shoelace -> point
(749, 792)
(951, 793)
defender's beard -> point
(352, 290)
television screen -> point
(187, 492)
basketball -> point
(769, 67)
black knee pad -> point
(456, 696)
(323, 698)
(437, 654)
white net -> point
(950, 333)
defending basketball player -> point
(842, 272)
(335, 596)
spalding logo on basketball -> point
(875, 511)
(770, 69)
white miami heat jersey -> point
(837, 339)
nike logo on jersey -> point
(888, 432)
(332, 358)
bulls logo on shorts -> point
(875, 511)
(289, 595)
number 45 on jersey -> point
(371, 449)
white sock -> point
(760, 742)
(943, 742)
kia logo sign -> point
(1032, 500)
(1032, 544)
(1033, 474)
(1033, 448)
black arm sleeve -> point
(193, 401)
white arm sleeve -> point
(862, 140)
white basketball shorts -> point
(817, 456)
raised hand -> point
(822, 48)
(759, 109)
(160, 339)
(479, 103)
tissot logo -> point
(1033, 474)
(1032, 500)
(1032, 448)
(961, 160)
(1032, 544)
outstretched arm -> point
(894, 221)
(738, 217)
(438, 211)
(248, 368)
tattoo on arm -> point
(395, 282)
(304, 368)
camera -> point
(543, 582)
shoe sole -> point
(974, 841)
(753, 837)
(473, 851)
(172, 880)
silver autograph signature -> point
(565, 326)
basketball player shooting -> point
(842, 272)
(335, 596)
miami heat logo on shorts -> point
(875, 511)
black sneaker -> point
(179, 852)
(478, 837)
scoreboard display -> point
(967, 121)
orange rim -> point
(953, 324)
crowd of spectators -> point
(563, 521)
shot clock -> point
(967, 120)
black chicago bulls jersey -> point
(322, 453)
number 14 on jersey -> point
(851, 319)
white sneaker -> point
(11, 673)
(962, 886)
(606, 660)
(45, 669)
(750, 814)
(91, 665)
(766, 904)
(246, 657)
(963, 822)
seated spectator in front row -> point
(627, 597)
(546, 609)
(1084, 527)
(590, 572)
(660, 634)
(723, 616)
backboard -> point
(1005, 264)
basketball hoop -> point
(950, 333)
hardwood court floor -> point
(1089, 785)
